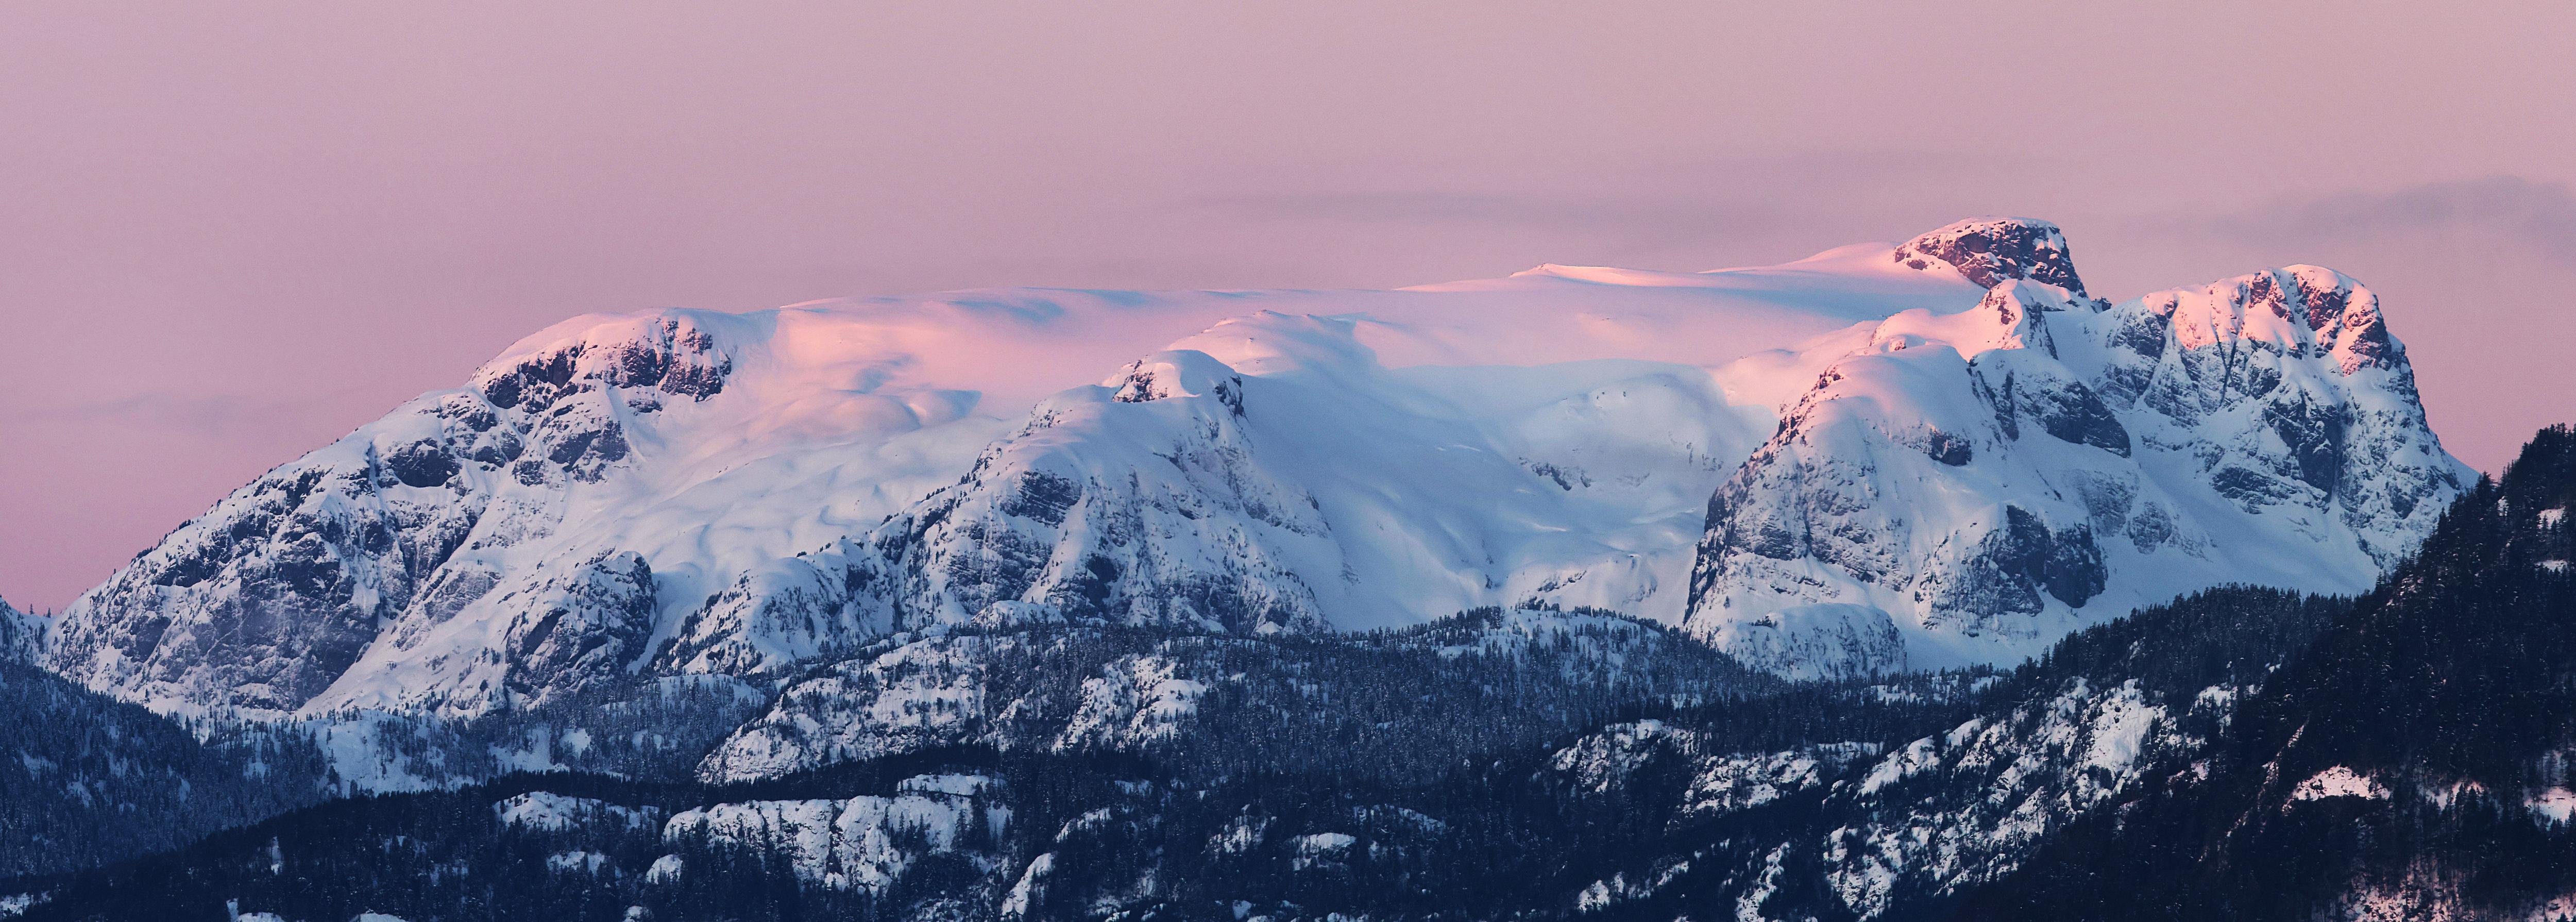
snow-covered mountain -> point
(1959, 487)
(1966, 456)
(1273, 474)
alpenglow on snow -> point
(1939, 453)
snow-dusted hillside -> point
(1535, 675)
(619, 500)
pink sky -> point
(231, 232)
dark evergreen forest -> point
(1507, 837)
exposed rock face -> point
(582, 629)
(1990, 251)
(1990, 479)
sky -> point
(233, 232)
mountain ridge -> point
(1901, 582)
(616, 501)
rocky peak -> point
(2297, 311)
(1989, 251)
(671, 352)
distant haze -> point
(231, 232)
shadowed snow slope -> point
(620, 499)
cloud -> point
(1689, 217)
(2540, 215)
(1715, 197)
(211, 417)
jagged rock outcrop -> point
(1991, 251)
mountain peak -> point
(1991, 250)
(2297, 308)
(667, 350)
